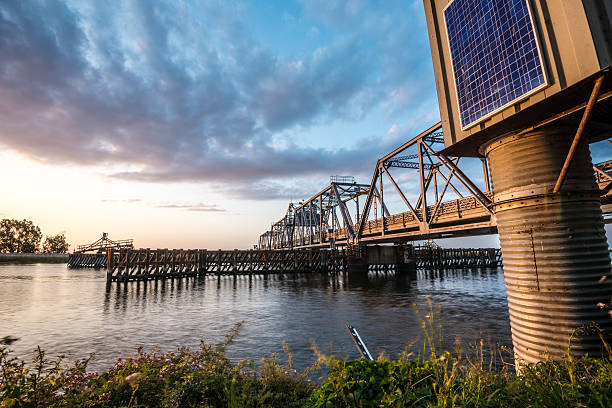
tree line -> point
(25, 237)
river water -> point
(73, 312)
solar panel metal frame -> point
(512, 102)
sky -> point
(192, 124)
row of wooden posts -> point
(143, 264)
(436, 257)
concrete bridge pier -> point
(357, 263)
(382, 257)
(405, 260)
(554, 248)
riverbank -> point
(33, 258)
(208, 378)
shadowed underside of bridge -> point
(451, 199)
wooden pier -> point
(145, 264)
(127, 264)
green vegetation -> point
(55, 244)
(436, 378)
(18, 237)
(206, 378)
(452, 382)
(203, 378)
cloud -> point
(182, 206)
(192, 207)
(171, 91)
(271, 190)
(126, 201)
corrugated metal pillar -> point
(554, 248)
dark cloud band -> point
(185, 93)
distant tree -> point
(19, 236)
(56, 244)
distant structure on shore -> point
(104, 243)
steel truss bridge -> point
(447, 202)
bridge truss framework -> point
(447, 203)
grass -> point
(447, 382)
(202, 378)
(207, 378)
(437, 378)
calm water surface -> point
(73, 312)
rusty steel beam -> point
(368, 203)
(427, 183)
(554, 118)
(411, 142)
(423, 187)
(439, 200)
(485, 172)
(602, 173)
(412, 210)
(344, 212)
(451, 174)
(467, 183)
(579, 132)
(384, 207)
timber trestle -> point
(436, 257)
(146, 264)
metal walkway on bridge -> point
(447, 202)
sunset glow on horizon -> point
(194, 124)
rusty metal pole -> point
(109, 264)
(357, 219)
(485, 173)
(554, 248)
(321, 219)
(382, 200)
(579, 133)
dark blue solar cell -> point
(494, 54)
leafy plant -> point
(19, 236)
(207, 378)
(56, 244)
(437, 378)
(185, 378)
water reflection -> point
(75, 312)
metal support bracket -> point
(579, 133)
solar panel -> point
(494, 53)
